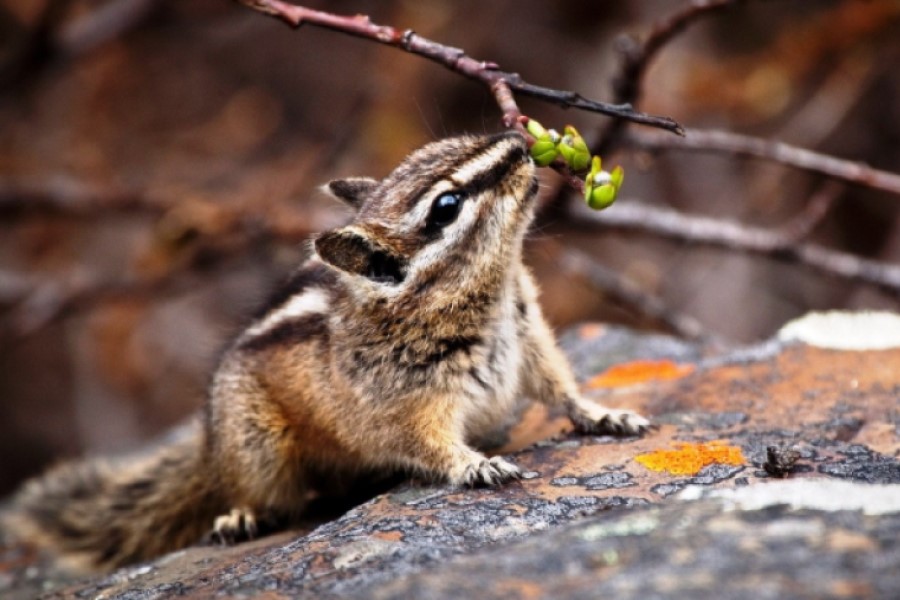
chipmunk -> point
(411, 333)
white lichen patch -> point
(842, 330)
(813, 494)
(641, 524)
(361, 551)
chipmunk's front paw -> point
(237, 526)
(591, 418)
(489, 471)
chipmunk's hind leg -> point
(238, 525)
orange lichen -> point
(591, 331)
(689, 458)
(640, 371)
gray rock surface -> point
(592, 518)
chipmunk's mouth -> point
(385, 268)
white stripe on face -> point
(459, 178)
(481, 163)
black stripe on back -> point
(309, 275)
(447, 347)
(289, 333)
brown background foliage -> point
(197, 139)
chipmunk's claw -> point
(592, 418)
(237, 526)
(490, 471)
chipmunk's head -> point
(451, 216)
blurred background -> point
(160, 163)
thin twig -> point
(73, 198)
(486, 72)
(37, 46)
(638, 54)
(699, 140)
(63, 195)
(817, 208)
(193, 237)
(42, 302)
(52, 39)
(14, 286)
(623, 290)
(637, 216)
(104, 24)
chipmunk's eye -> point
(444, 209)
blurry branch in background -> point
(193, 236)
(627, 86)
(816, 209)
(725, 142)
(502, 84)
(53, 39)
(195, 232)
(621, 289)
(104, 24)
(636, 56)
(784, 243)
(36, 45)
(65, 196)
(228, 232)
(781, 244)
(36, 301)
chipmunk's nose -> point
(514, 144)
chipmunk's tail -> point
(100, 515)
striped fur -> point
(410, 337)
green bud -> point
(596, 165)
(618, 176)
(601, 187)
(535, 129)
(603, 196)
(574, 149)
(544, 151)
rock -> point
(597, 516)
(678, 550)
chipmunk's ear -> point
(351, 250)
(352, 190)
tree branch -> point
(52, 39)
(818, 207)
(638, 54)
(620, 289)
(699, 140)
(501, 83)
(37, 46)
(104, 24)
(63, 195)
(39, 302)
(636, 216)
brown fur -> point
(405, 340)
